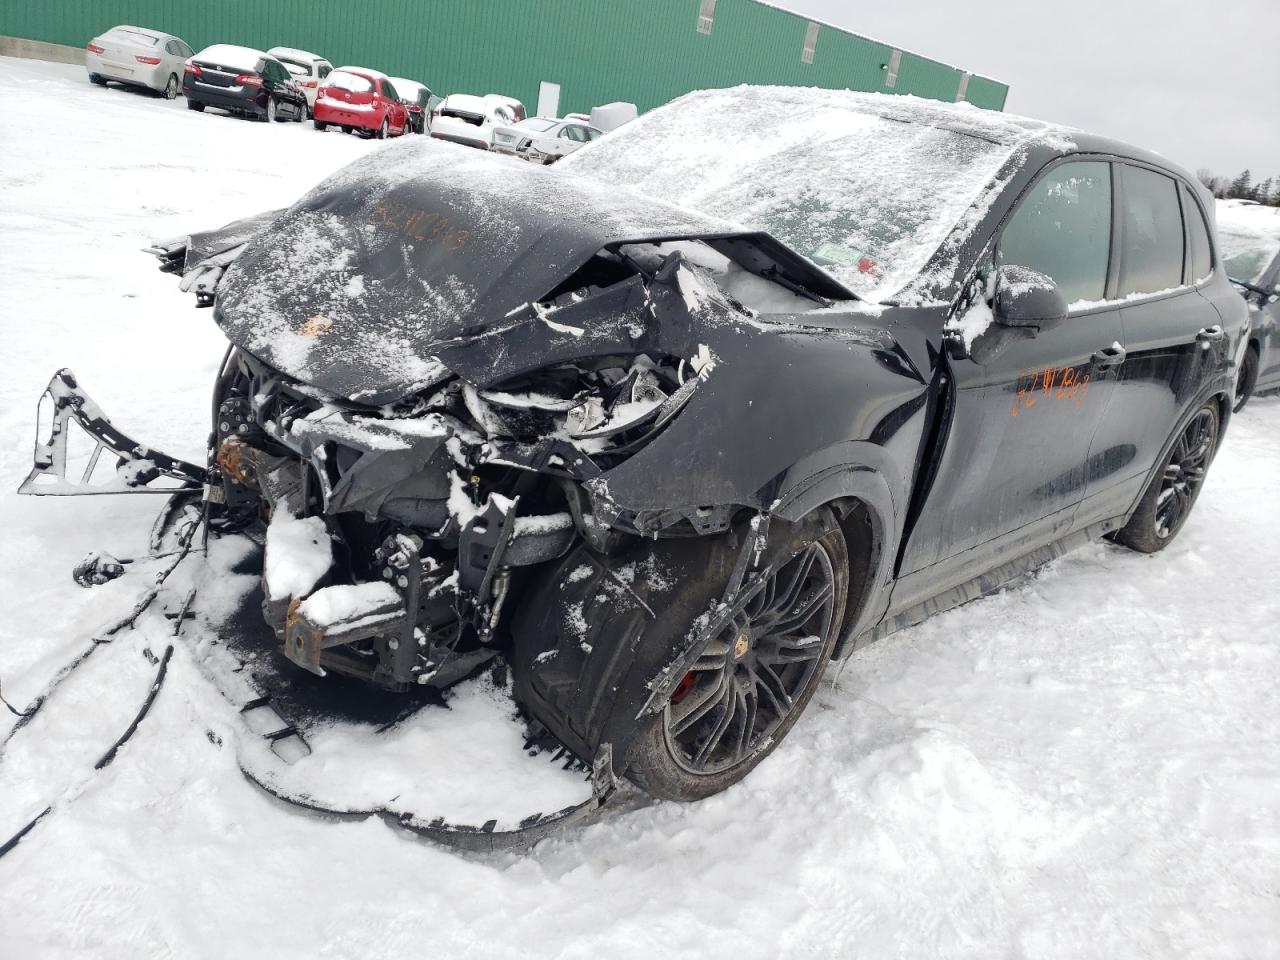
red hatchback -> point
(355, 98)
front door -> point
(1017, 451)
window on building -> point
(891, 69)
(1151, 258)
(706, 15)
(1062, 228)
(810, 43)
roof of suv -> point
(296, 54)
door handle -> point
(1208, 335)
(1111, 356)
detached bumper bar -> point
(137, 468)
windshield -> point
(1247, 255)
(349, 81)
(867, 197)
(536, 124)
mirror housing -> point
(1026, 298)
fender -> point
(864, 472)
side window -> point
(389, 91)
(1198, 233)
(1151, 257)
(185, 50)
(172, 49)
(1062, 228)
(324, 70)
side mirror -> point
(1027, 298)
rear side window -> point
(1062, 228)
(1198, 234)
(389, 91)
(1151, 257)
(325, 70)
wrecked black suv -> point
(667, 465)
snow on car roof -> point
(406, 87)
(770, 158)
(229, 55)
(366, 71)
(296, 54)
(466, 101)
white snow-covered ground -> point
(1087, 765)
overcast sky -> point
(1196, 81)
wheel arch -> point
(858, 481)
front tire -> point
(752, 679)
(1167, 503)
(382, 131)
(1246, 379)
(171, 88)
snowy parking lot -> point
(1086, 764)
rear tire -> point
(195, 105)
(171, 88)
(98, 79)
(320, 125)
(1247, 378)
(749, 685)
(1167, 503)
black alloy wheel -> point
(1246, 378)
(752, 677)
(1165, 506)
(749, 676)
(171, 88)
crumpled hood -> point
(356, 287)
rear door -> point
(1016, 458)
(1173, 338)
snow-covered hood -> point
(356, 287)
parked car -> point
(138, 57)
(673, 453)
(308, 70)
(417, 100)
(242, 81)
(579, 117)
(1250, 237)
(543, 140)
(469, 120)
(357, 98)
(506, 107)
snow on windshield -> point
(1250, 237)
(865, 185)
(536, 124)
(352, 82)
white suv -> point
(308, 70)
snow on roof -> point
(296, 54)
(229, 55)
(366, 71)
(406, 87)
(145, 31)
(866, 185)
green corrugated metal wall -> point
(645, 51)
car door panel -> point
(1017, 455)
(1173, 339)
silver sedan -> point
(139, 57)
(542, 139)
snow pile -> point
(1250, 237)
(299, 553)
(348, 602)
